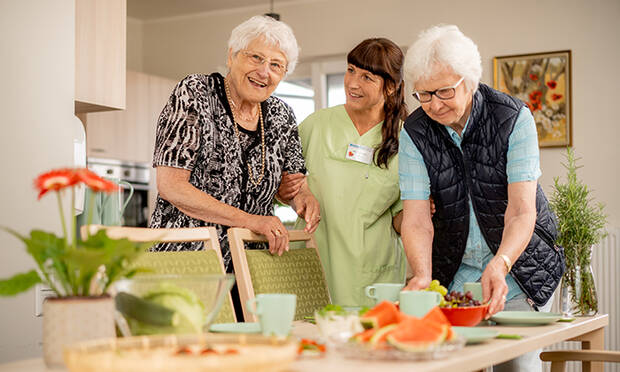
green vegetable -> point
(509, 336)
(339, 310)
(145, 311)
(189, 311)
(566, 320)
(330, 308)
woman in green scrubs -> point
(351, 154)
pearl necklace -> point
(262, 135)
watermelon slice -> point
(383, 314)
(377, 341)
(364, 336)
(414, 334)
(437, 316)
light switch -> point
(41, 292)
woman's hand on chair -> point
(273, 229)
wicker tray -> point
(160, 353)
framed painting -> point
(543, 82)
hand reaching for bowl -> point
(494, 288)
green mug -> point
(383, 291)
(475, 288)
(275, 311)
(418, 303)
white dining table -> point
(588, 330)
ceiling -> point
(156, 9)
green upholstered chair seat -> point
(297, 271)
(178, 263)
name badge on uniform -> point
(360, 153)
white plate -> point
(525, 318)
(475, 335)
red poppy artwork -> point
(543, 82)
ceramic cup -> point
(418, 303)
(475, 289)
(275, 312)
(384, 291)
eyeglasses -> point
(257, 59)
(442, 93)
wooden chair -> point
(208, 261)
(558, 358)
(298, 271)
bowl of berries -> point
(461, 309)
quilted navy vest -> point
(479, 173)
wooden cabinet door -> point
(100, 55)
(101, 134)
(130, 134)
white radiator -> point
(606, 268)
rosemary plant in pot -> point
(78, 271)
(581, 226)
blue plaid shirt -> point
(523, 165)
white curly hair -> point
(443, 46)
(274, 32)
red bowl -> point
(465, 316)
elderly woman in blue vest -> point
(474, 151)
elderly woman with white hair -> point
(474, 151)
(222, 143)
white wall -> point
(183, 45)
(37, 40)
(134, 44)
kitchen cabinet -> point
(130, 134)
(100, 55)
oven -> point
(138, 175)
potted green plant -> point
(581, 225)
(79, 271)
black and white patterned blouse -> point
(195, 132)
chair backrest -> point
(298, 271)
(208, 261)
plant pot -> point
(580, 299)
(73, 319)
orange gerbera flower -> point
(95, 182)
(55, 180)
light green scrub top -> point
(357, 243)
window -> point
(335, 90)
(325, 88)
(298, 94)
